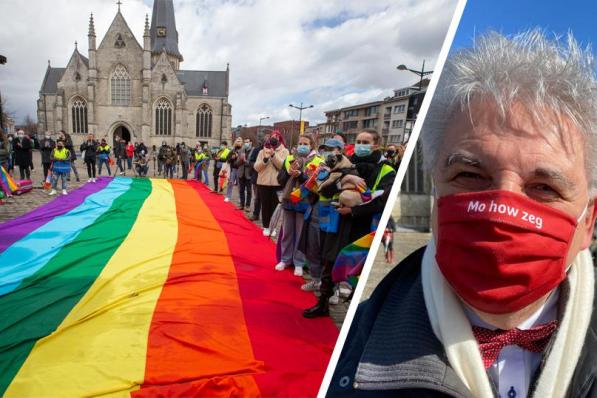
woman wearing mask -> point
(103, 151)
(61, 166)
(90, 148)
(245, 172)
(68, 143)
(269, 161)
(46, 147)
(291, 176)
(22, 148)
(234, 161)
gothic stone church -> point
(137, 93)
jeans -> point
(99, 166)
(168, 170)
(185, 170)
(56, 176)
(46, 167)
(120, 164)
(292, 227)
(129, 163)
(231, 182)
(244, 191)
(74, 169)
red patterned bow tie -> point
(491, 342)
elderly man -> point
(500, 302)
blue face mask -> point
(303, 150)
(362, 150)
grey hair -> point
(528, 67)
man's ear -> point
(589, 222)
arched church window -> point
(121, 86)
(203, 121)
(79, 115)
(163, 117)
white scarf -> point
(453, 329)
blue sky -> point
(511, 16)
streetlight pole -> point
(259, 128)
(421, 73)
(300, 108)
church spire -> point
(163, 29)
(91, 26)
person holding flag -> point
(90, 148)
(103, 151)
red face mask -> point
(501, 251)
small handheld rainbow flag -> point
(8, 185)
(350, 260)
(48, 181)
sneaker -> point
(266, 232)
(274, 233)
(90, 180)
(298, 270)
(52, 192)
(280, 266)
(64, 192)
(335, 299)
(226, 200)
(311, 286)
(254, 218)
(121, 173)
(93, 180)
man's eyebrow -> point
(463, 159)
(554, 175)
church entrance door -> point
(121, 132)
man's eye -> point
(468, 175)
(543, 192)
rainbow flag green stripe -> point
(63, 281)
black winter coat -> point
(46, 146)
(90, 149)
(22, 149)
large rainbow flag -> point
(151, 288)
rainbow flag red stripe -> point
(144, 288)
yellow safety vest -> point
(104, 148)
(61, 154)
(290, 158)
(385, 170)
(223, 154)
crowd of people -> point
(319, 197)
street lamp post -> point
(300, 108)
(259, 128)
(421, 73)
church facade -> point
(139, 93)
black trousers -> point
(46, 167)
(244, 187)
(216, 175)
(25, 172)
(269, 201)
(185, 170)
(90, 168)
(256, 201)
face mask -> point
(10, 138)
(501, 251)
(273, 142)
(47, 136)
(222, 147)
(21, 136)
(362, 150)
(303, 150)
(391, 153)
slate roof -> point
(193, 81)
(163, 16)
(50, 83)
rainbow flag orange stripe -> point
(152, 288)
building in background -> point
(139, 93)
(392, 117)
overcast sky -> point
(330, 53)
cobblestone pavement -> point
(405, 242)
(19, 205)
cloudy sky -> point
(329, 53)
